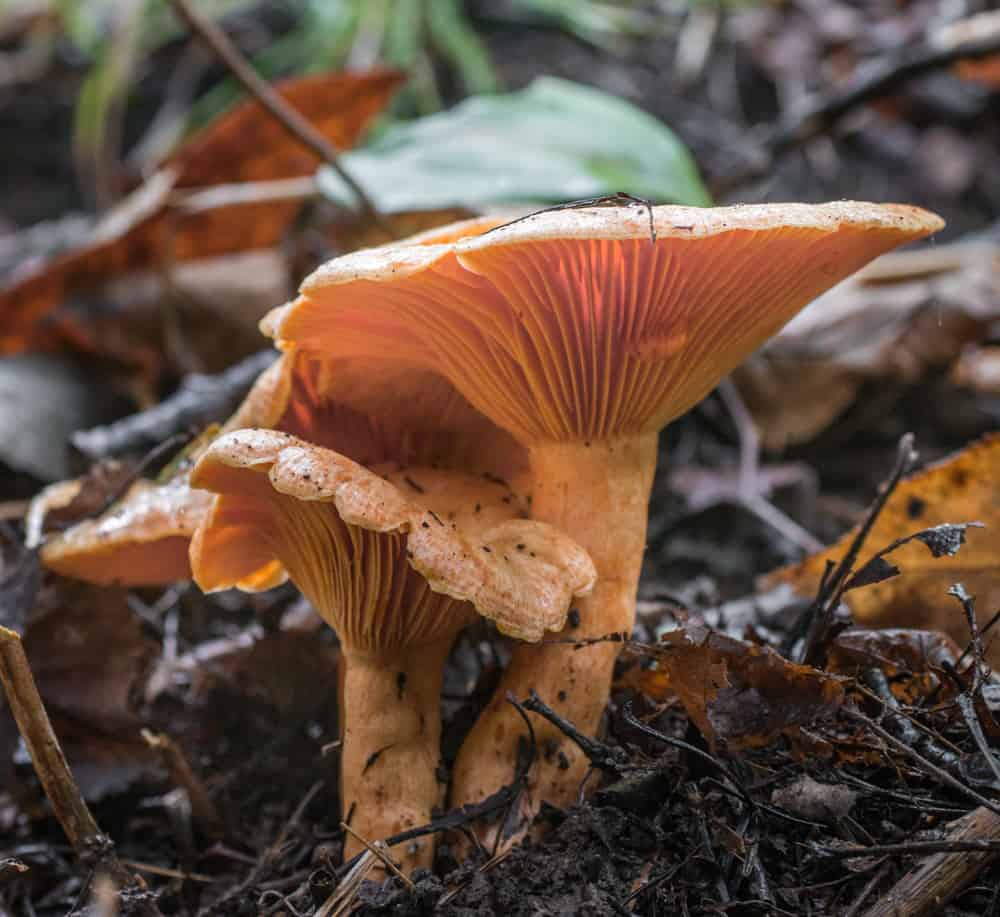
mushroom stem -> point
(598, 493)
(392, 731)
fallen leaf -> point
(44, 399)
(807, 798)
(904, 315)
(146, 230)
(90, 661)
(965, 487)
(740, 695)
(914, 661)
(893, 650)
(248, 144)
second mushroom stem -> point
(391, 732)
(599, 494)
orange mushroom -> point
(582, 332)
(141, 541)
(397, 560)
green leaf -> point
(554, 141)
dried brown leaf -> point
(90, 660)
(738, 694)
(905, 315)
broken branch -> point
(82, 831)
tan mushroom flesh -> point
(397, 560)
(582, 336)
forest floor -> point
(812, 785)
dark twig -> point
(968, 603)
(914, 848)
(607, 758)
(903, 726)
(199, 401)
(983, 631)
(821, 113)
(296, 125)
(270, 855)
(657, 881)
(814, 625)
(184, 776)
(715, 764)
(870, 886)
(927, 766)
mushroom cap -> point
(574, 324)
(142, 541)
(367, 547)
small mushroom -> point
(397, 561)
(141, 541)
(583, 332)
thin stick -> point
(814, 624)
(916, 848)
(378, 849)
(927, 888)
(925, 765)
(296, 125)
(182, 774)
(870, 886)
(46, 753)
(169, 873)
(47, 756)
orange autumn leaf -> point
(962, 488)
(144, 231)
(247, 144)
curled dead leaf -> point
(738, 694)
